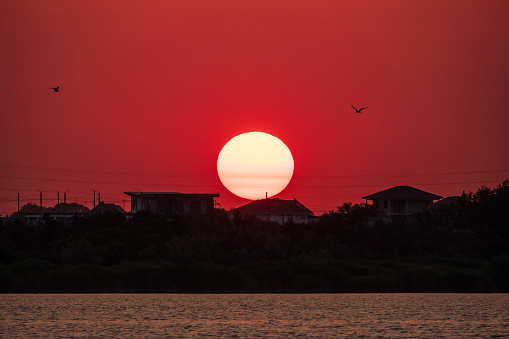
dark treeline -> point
(459, 247)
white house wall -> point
(411, 206)
(284, 218)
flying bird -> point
(358, 110)
(55, 89)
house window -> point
(135, 204)
(385, 204)
(377, 204)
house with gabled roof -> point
(278, 210)
(102, 207)
(401, 201)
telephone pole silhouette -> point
(65, 204)
(40, 198)
(58, 204)
(93, 201)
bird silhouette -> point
(358, 110)
(55, 89)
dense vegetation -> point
(460, 247)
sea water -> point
(254, 315)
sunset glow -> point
(149, 92)
(254, 164)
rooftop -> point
(402, 192)
(170, 195)
(102, 207)
(274, 205)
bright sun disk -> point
(255, 164)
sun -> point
(254, 165)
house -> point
(278, 210)
(30, 217)
(401, 201)
(67, 212)
(172, 203)
(102, 207)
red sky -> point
(152, 90)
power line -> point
(85, 197)
(97, 172)
(179, 175)
(101, 182)
(209, 185)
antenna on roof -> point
(268, 207)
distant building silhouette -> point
(448, 201)
(68, 214)
(107, 207)
(29, 217)
(172, 203)
(278, 210)
(401, 201)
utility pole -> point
(40, 198)
(93, 203)
(18, 199)
(268, 205)
(58, 204)
(65, 204)
(99, 197)
(65, 197)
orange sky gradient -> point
(152, 91)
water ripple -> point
(255, 315)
